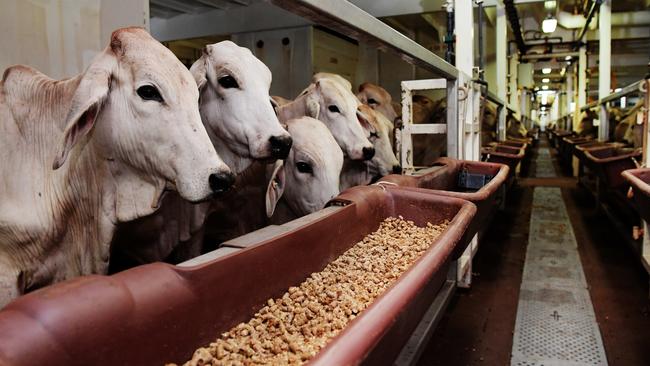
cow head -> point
(330, 102)
(377, 127)
(235, 103)
(139, 106)
(309, 177)
(378, 99)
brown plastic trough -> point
(160, 313)
(639, 179)
(444, 178)
(503, 155)
(610, 162)
(557, 135)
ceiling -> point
(171, 8)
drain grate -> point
(556, 324)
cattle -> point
(239, 116)
(83, 154)
(514, 127)
(488, 123)
(309, 177)
(428, 148)
(383, 163)
(378, 130)
(378, 99)
(330, 102)
(586, 126)
(627, 130)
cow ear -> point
(86, 103)
(275, 189)
(313, 106)
(364, 120)
(199, 70)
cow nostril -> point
(368, 153)
(221, 182)
(397, 169)
(280, 146)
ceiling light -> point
(550, 4)
(546, 80)
(549, 24)
(546, 70)
(544, 87)
(568, 58)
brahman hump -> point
(83, 154)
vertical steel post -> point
(501, 43)
(582, 85)
(604, 65)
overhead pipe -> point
(449, 38)
(513, 19)
(592, 12)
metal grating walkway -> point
(556, 324)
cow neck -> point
(235, 162)
(354, 173)
(294, 109)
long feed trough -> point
(159, 313)
(478, 182)
(639, 179)
(610, 162)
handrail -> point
(346, 18)
(630, 89)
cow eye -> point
(304, 167)
(372, 101)
(334, 109)
(149, 92)
(228, 82)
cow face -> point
(309, 177)
(378, 99)
(377, 127)
(139, 105)
(235, 102)
(330, 102)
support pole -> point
(604, 65)
(569, 91)
(582, 85)
(501, 59)
(512, 83)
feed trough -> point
(504, 155)
(610, 162)
(159, 313)
(639, 179)
(481, 183)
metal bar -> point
(494, 99)
(547, 55)
(481, 52)
(632, 88)
(426, 128)
(348, 19)
(589, 106)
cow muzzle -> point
(221, 182)
(280, 146)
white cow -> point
(309, 177)
(83, 154)
(237, 112)
(384, 162)
(334, 105)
